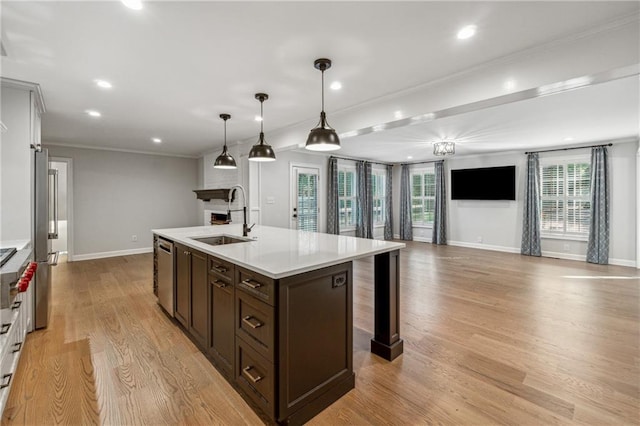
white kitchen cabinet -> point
(20, 112)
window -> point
(423, 196)
(378, 184)
(565, 198)
(347, 197)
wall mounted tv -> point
(488, 183)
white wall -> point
(276, 187)
(499, 223)
(117, 195)
(15, 165)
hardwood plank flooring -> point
(490, 338)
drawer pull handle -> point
(251, 377)
(4, 328)
(18, 347)
(220, 269)
(256, 324)
(219, 284)
(6, 380)
(253, 284)
(16, 304)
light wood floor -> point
(489, 338)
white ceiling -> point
(602, 112)
(175, 66)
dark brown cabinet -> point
(199, 319)
(221, 308)
(183, 284)
(191, 292)
(285, 344)
(294, 340)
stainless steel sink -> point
(218, 240)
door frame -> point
(292, 196)
(69, 163)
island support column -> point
(386, 341)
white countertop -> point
(17, 244)
(279, 252)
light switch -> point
(271, 200)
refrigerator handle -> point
(55, 255)
(54, 235)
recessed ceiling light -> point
(336, 85)
(93, 113)
(103, 84)
(568, 139)
(397, 115)
(510, 84)
(467, 32)
(133, 4)
(409, 157)
(156, 140)
(257, 118)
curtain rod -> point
(567, 149)
(421, 162)
(356, 159)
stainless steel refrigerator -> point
(45, 229)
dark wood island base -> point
(386, 342)
(286, 344)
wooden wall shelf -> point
(213, 194)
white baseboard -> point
(422, 240)
(419, 239)
(583, 258)
(484, 246)
(623, 262)
(566, 256)
(104, 254)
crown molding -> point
(26, 85)
(129, 151)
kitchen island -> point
(273, 311)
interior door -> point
(304, 200)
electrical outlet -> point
(479, 239)
(567, 247)
(134, 238)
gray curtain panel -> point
(333, 222)
(598, 245)
(388, 204)
(368, 202)
(364, 216)
(439, 234)
(360, 190)
(531, 220)
(406, 225)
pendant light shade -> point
(323, 137)
(225, 160)
(262, 151)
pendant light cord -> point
(225, 135)
(322, 90)
(261, 116)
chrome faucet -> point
(245, 229)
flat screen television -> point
(488, 183)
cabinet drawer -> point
(255, 323)
(221, 267)
(221, 282)
(258, 285)
(254, 375)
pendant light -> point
(262, 151)
(323, 137)
(225, 160)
